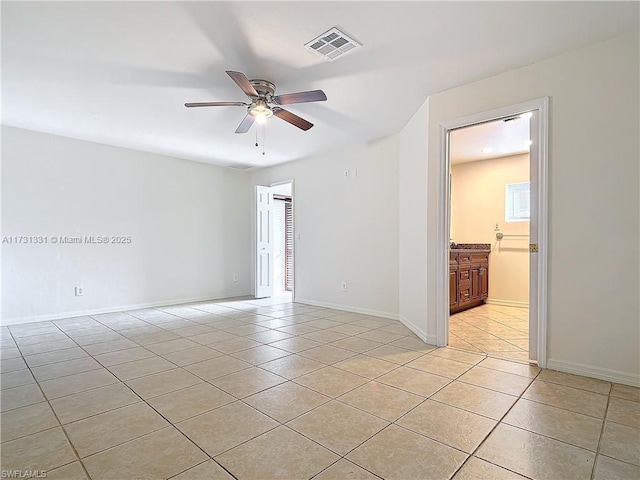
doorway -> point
(274, 259)
(536, 315)
(489, 237)
(283, 241)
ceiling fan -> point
(263, 102)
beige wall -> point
(477, 204)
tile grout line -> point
(499, 422)
(604, 421)
(139, 436)
(64, 431)
(286, 380)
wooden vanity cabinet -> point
(468, 279)
(453, 281)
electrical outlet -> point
(345, 174)
(344, 286)
(235, 277)
(79, 291)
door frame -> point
(444, 194)
(293, 221)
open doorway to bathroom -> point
(489, 233)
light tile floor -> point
(496, 330)
(257, 390)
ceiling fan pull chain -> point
(256, 137)
(263, 138)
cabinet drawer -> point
(464, 258)
(464, 275)
(479, 257)
(465, 295)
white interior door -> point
(264, 242)
(534, 136)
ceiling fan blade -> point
(243, 82)
(246, 123)
(215, 104)
(300, 97)
(293, 119)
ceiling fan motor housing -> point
(264, 88)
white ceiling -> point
(119, 72)
(490, 140)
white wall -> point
(594, 308)
(189, 225)
(348, 228)
(412, 214)
(477, 204)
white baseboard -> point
(507, 303)
(349, 308)
(594, 372)
(121, 308)
(422, 335)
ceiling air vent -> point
(239, 166)
(332, 44)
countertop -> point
(466, 247)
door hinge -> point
(533, 248)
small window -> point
(516, 202)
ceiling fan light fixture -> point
(260, 110)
